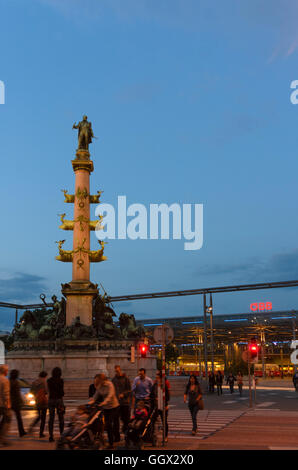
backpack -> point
(39, 391)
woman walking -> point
(194, 394)
(56, 394)
(240, 382)
(105, 391)
(16, 400)
(230, 381)
(40, 392)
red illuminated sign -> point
(261, 306)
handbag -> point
(201, 404)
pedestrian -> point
(194, 394)
(295, 380)
(5, 405)
(230, 381)
(123, 391)
(240, 382)
(56, 394)
(157, 400)
(141, 388)
(40, 391)
(16, 399)
(211, 382)
(110, 404)
(92, 388)
(219, 382)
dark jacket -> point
(211, 379)
(230, 380)
(122, 386)
(16, 395)
(56, 388)
(219, 379)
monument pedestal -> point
(79, 297)
(79, 360)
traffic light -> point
(253, 351)
(131, 354)
(143, 349)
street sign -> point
(168, 332)
(246, 357)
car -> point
(28, 397)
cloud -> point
(280, 267)
(21, 287)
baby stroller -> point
(150, 431)
(88, 435)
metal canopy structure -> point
(177, 293)
(232, 328)
(207, 290)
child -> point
(78, 421)
(140, 417)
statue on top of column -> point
(85, 133)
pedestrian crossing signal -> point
(131, 354)
(143, 350)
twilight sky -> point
(190, 101)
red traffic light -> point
(253, 349)
(143, 350)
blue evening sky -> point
(190, 101)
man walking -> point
(142, 387)
(219, 381)
(5, 405)
(123, 391)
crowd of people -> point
(218, 379)
(120, 401)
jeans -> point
(160, 413)
(219, 388)
(110, 416)
(18, 414)
(41, 416)
(58, 405)
(194, 411)
(5, 413)
(123, 413)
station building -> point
(274, 332)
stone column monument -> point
(80, 337)
(80, 292)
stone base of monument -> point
(79, 360)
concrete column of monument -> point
(80, 292)
(81, 231)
